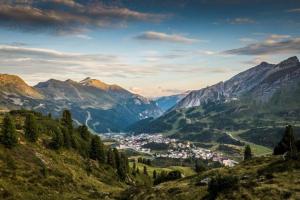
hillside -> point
(39, 170)
(241, 117)
(261, 178)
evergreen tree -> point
(145, 170)
(200, 166)
(66, 138)
(117, 157)
(84, 132)
(31, 128)
(9, 136)
(122, 168)
(111, 158)
(67, 120)
(134, 166)
(287, 144)
(247, 153)
(57, 139)
(137, 170)
(154, 174)
(97, 149)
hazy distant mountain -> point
(167, 102)
(101, 106)
(260, 82)
(256, 103)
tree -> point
(9, 136)
(200, 166)
(66, 138)
(117, 157)
(145, 170)
(247, 153)
(154, 174)
(84, 132)
(31, 128)
(67, 120)
(57, 140)
(97, 149)
(111, 158)
(287, 144)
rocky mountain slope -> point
(260, 82)
(251, 108)
(167, 102)
(101, 106)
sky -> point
(150, 47)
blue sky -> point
(150, 47)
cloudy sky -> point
(151, 47)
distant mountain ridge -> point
(167, 102)
(101, 106)
(253, 106)
(260, 81)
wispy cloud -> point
(39, 16)
(294, 10)
(274, 44)
(158, 36)
(241, 20)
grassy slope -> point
(186, 171)
(260, 178)
(33, 171)
(66, 176)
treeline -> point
(63, 136)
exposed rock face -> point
(11, 84)
(259, 82)
(101, 106)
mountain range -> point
(252, 106)
(101, 106)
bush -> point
(222, 183)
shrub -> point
(222, 183)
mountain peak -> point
(14, 84)
(290, 62)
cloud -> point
(247, 40)
(274, 44)
(241, 20)
(45, 16)
(27, 61)
(294, 10)
(158, 36)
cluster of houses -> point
(176, 149)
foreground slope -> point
(261, 178)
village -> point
(175, 149)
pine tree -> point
(57, 139)
(247, 153)
(287, 144)
(111, 158)
(117, 157)
(84, 132)
(95, 148)
(154, 174)
(200, 166)
(134, 166)
(137, 170)
(9, 136)
(67, 120)
(66, 138)
(145, 170)
(31, 128)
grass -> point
(266, 177)
(186, 171)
